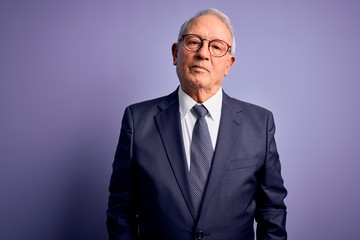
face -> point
(200, 71)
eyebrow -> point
(216, 38)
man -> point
(178, 175)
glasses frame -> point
(202, 43)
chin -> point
(201, 79)
(200, 83)
(196, 82)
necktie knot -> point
(200, 110)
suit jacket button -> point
(199, 235)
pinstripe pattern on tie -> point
(201, 154)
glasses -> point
(217, 47)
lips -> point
(198, 67)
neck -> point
(200, 95)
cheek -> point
(183, 64)
(220, 69)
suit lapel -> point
(229, 129)
(168, 122)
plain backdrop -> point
(69, 68)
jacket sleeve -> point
(271, 210)
(121, 214)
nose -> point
(203, 52)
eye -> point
(193, 41)
(217, 46)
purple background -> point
(68, 69)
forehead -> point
(210, 27)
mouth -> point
(199, 68)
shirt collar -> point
(213, 104)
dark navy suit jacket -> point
(150, 195)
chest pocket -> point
(243, 163)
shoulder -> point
(254, 117)
(153, 106)
(245, 107)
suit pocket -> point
(243, 163)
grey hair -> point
(210, 11)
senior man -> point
(197, 164)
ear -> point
(229, 64)
(174, 49)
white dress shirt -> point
(188, 118)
